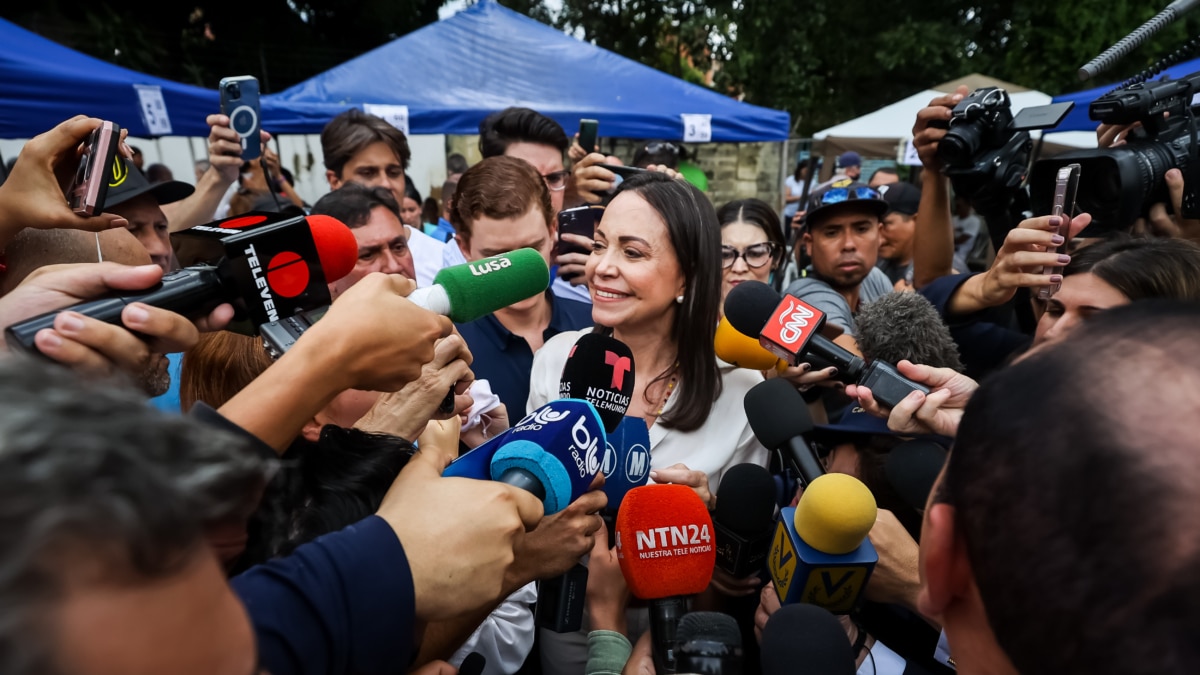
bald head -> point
(1079, 465)
(32, 249)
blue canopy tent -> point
(1078, 119)
(453, 73)
(43, 83)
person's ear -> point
(945, 568)
(807, 240)
(311, 431)
(332, 178)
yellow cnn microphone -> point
(821, 555)
(743, 351)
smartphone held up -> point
(239, 101)
(89, 189)
(1066, 184)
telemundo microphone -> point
(269, 267)
(666, 552)
(808, 639)
(821, 554)
(790, 331)
(709, 643)
(600, 370)
(743, 519)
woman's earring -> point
(679, 299)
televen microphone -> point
(820, 554)
(665, 549)
(270, 269)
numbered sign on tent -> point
(396, 115)
(154, 110)
(697, 128)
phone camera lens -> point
(235, 91)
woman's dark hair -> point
(323, 487)
(759, 213)
(1142, 267)
(696, 237)
(800, 167)
(430, 211)
(410, 190)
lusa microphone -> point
(821, 554)
(473, 290)
(666, 552)
(269, 267)
(791, 330)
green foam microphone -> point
(475, 289)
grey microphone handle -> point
(1135, 39)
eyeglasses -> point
(556, 181)
(756, 256)
(653, 148)
(839, 195)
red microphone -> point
(269, 269)
(665, 548)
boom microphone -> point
(900, 326)
(270, 269)
(665, 548)
(600, 370)
(821, 554)
(472, 290)
(808, 639)
(790, 330)
(743, 518)
(1135, 39)
(779, 418)
(709, 643)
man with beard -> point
(841, 236)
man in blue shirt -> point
(502, 204)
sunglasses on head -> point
(839, 195)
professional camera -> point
(986, 152)
(1118, 185)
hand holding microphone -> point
(918, 413)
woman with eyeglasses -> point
(752, 243)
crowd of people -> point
(175, 500)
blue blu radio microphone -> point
(555, 454)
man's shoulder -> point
(876, 285)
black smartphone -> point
(623, 171)
(89, 188)
(580, 220)
(588, 129)
(239, 101)
(1066, 184)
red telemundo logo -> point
(620, 366)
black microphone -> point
(599, 370)
(708, 643)
(270, 270)
(1135, 39)
(473, 664)
(744, 519)
(912, 469)
(790, 331)
(779, 418)
(807, 639)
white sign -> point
(154, 110)
(910, 158)
(697, 128)
(396, 115)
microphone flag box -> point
(738, 555)
(626, 463)
(570, 429)
(790, 327)
(802, 574)
(273, 258)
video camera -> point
(1118, 185)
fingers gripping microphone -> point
(666, 553)
(821, 555)
(743, 519)
(709, 643)
(791, 330)
(600, 370)
(269, 269)
(779, 418)
(805, 638)
(473, 290)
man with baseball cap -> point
(135, 198)
(841, 236)
(896, 232)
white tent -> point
(886, 132)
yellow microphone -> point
(821, 554)
(743, 351)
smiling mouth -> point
(609, 296)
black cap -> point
(901, 197)
(127, 181)
(843, 194)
